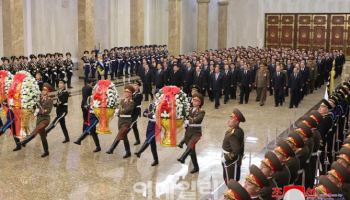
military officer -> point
(125, 111)
(61, 111)
(43, 119)
(233, 147)
(194, 130)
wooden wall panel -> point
(308, 30)
(272, 31)
(287, 30)
(319, 31)
(337, 31)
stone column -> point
(13, 27)
(174, 34)
(137, 13)
(86, 28)
(222, 21)
(202, 25)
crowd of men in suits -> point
(46, 68)
(280, 72)
(315, 154)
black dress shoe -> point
(194, 170)
(137, 143)
(45, 154)
(127, 155)
(109, 152)
(137, 154)
(65, 141)
(18, 147)
(154, 163)
(276, 105)
(180, 145)
(97, 149)
(77, 142)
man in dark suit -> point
(216, 81)
(147, 80)
(234, 78)
(176, 78)
(226, 83)
(245, 82)
(86, 92)
(295, 87)
(279, 85)
(159, 77)
(206, 77)
(188, 80)
(199, 79)
(305, 79)
(272, 69)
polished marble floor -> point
(74, 172)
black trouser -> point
(233, 91)
(69, 80)
(147, 91)
(113, 69)
(229, 170)
(135, 129)
(217, 94)
(61, 119)
(294, 98)
(245, 90)
(226, 94)
(43, 136)
(279, 94)
(85, 117)
(310, 175)
(210, 95)
(152, 142)
(327, 156)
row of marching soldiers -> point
(119, 61)
(316, 154)
(128, 112)
(49, 68)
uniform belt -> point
(225, 152)
(138, 106)
(124, 116)
(86, 64)
(152, 120)
(195, 125)
(112, 60)
(63, 104)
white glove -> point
(187, 122)
(36, 112)
(116, 113)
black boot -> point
(181, 144)
(127, 155)
(155, 163)
(114, 145)
(81, 138)
(142, 149)
(45, 154)
(18, 147)
(127, 147)
(194, 162)
(98, 148)
(184, 155)
(28, 139)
